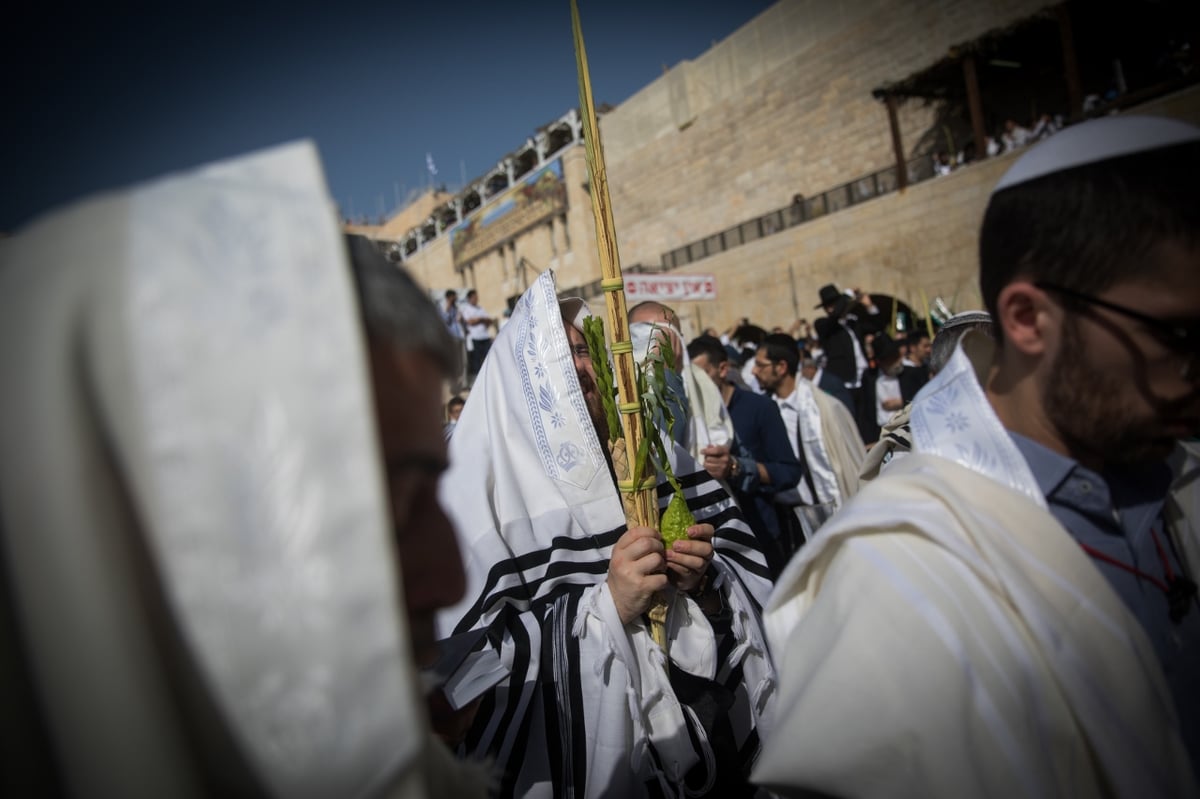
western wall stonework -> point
(921, 239)
(782, 106)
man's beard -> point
(595, 406)
(1082, 404)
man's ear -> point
(1027, 317)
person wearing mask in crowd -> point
(1024, 580)
(222, 548)
(759, 462)
(700, 417)
(841, 332)
(592, 705)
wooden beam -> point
(1070, 63)
(897, 144)
(976, 106)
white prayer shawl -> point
(709, 424)
(194, 517)
(944, 636)
(833, 448)
(841, 440)
(587, 709)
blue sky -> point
(101, 98)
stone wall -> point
(922, 239)
(782, 106)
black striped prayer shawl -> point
(587, 709)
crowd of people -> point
(249, 548)
(1007, 138)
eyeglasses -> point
(580, 351)
(1180, 339)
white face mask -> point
(642, 334)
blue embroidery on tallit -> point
(569, 455)
(532, 400)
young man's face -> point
(768, 373)
(715, 371)
(1116, 386)
(408, 408)
(920, 351)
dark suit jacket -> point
(835, 386)
(911, 381)
(839, 347)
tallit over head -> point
(587, 706)
(194, 529)
(526, 434)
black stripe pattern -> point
(536, 727)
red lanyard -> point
(1178, 590)
(1134, 570)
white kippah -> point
(1097, 140)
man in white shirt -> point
(820, 429)
(889, 365)
(479, 337)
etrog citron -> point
(676, 520)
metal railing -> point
(840, 197)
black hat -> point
(883, 347)
(829, 295)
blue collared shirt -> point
(1120, 514)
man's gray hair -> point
(955, 328)
(395, 309)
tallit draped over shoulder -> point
(944, 636)
(194, 524)
(587, 709)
